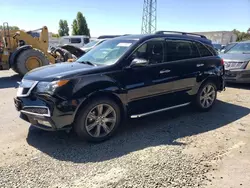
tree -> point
(66, 27)
(241, 36)
(80, 26)
(10, 27)
(63, 28)
(55, 35)
(74, 27)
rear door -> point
(183, 55)
(206, 63)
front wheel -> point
(206, 96)
(98, 120)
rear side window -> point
(180, 50)
(75, 40)
(204, 51)
(211, 49)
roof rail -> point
(182, 33)
(107, 36)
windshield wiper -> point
(87, 62)
(245, 52)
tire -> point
(65, 55)
(199, 101)
(21, 64)
(89, 116)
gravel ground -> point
(179, 148)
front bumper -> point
(237, 76)
(43, 115)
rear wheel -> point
(206, 96)
(28, 60)
(98, 121)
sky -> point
(125, 16)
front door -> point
(146, 85)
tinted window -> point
(214, 52)
(153, 51)
(203, 50)
(75, 40)
(180, 49)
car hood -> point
(235, 57)
(58, 71)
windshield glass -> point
(108, 52)
(91, 44)
(240, 48)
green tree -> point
(55, 35)
(10, 27)
(63, 28)
(74, 27)
(66, 27)
(80, 26)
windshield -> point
(108, 52)
(240, 48)
(229, 46)
(91, 44)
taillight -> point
(222, 62)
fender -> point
(92, 86)
(17, 52)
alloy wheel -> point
(100, 120)
(207, 96)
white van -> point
(77, 40)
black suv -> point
(133, 75)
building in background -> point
(221, 37)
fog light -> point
(45, 123)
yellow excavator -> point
(23, 51)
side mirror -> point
(139, 62)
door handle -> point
(199, 65)
(165, 71)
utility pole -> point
(149, 17)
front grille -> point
(234, 64)
(37, 110)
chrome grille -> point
(234, 64)
(37, 110)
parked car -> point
(217, 46)
(92, 44)
(237, 63)
(77, 40)
(138, 75)
(228, 47)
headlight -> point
(50, 87)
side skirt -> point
(157, 111)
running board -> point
(157, 111)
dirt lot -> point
(181, 148)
